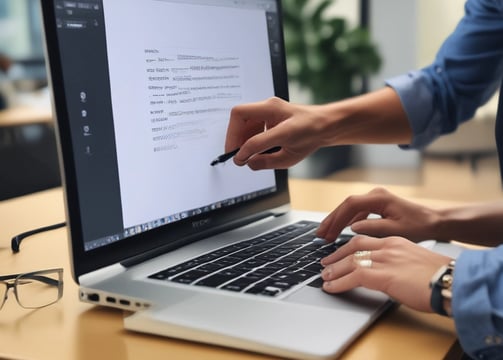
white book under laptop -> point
(142, 93)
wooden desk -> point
(70, 329)
(25, 116)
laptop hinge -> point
(281, 210)
(135, 260)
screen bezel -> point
(160, 239)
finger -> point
(345, 283)
(348, 273)
(355, 207)
(255, 148)
(352, 264)
(339, 269)
(331, 227)
(267, 161)
(249, 119)
(377, 227)
(281, 159)
(367, 277)
(352, 261)
(357, 243)
(245, 121)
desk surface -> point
(70, 329)
(25, 116)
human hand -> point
(399, 268)
(398, 217)
(260, 126)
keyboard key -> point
(189, 276)
(240, 283)
(214, 280)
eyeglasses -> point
(16, 240)
(35, 289)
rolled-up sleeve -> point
(466, 72)
(477, 302)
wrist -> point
(441, 225)
(441, 289)
(376, 117)
(332, 124)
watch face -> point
(444, 276)
(437, 277)
(446, 280)
(441, 290)
(441, 293)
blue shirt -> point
(467, 71)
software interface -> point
(174, 71)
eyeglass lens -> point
(36, 289)
(4, 287)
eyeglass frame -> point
(16, 240)
(37, 275)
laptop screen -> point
(143, 92)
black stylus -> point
(224, 157)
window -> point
(21, 37)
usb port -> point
(124, 302)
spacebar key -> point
(214, 280)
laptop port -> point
(93, 297)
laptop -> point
(142, 92)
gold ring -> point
(362, 255)
(362, 258)
(366, 263)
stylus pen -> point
(224, 157)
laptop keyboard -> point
(268, 264)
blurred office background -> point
(406, 35)
(28, 157)
(21, 41)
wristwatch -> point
(441, 289)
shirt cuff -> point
(416, 97)
(476, 302)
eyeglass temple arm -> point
(41, 278)
(16, 240)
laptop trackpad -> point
(275, 327)
(355, 300)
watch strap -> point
(441, 293)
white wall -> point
(394, 28)
(14, 30)
(437, 19)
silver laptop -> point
(142, 92)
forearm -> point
(476, 224)
(374, 118)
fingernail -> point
(319, 241)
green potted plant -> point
(329, 60)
